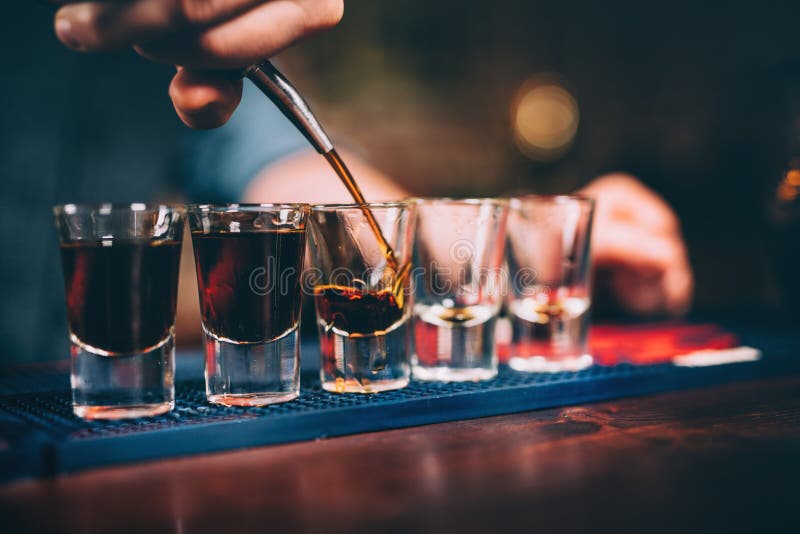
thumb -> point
(205, 99)
(634, 247)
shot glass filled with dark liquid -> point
(249, 261)
(121, 265)
(361, 294)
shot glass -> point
(249, 260)
(121, 265)
(458, 260)
(550, 297)
(361, 257)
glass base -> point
(252, 399)
(128, 412)
(253, 374)
(365, 364)
(540, 364)
(460, 352)
(122, 386)
(449, 374)
(340, 385)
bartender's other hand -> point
(638, 249)
(205, 37)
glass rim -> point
(470, 201)
(233, 207)
(131, 207)
(579, 198)
(355, 206)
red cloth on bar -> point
(648, 344)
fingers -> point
(635, 247)
(201, 35)
(678, 284)
(638, 294)
(637, 238)
(667, 293)
(622, 198)
(247, 39)
(107, 25)
(204, 99)
(650, 270)
(204, 34)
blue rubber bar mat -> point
(39, 436)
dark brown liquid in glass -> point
(357, 312)
(121, 295)
(249, 282)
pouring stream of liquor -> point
(283, 94)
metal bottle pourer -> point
(283, 94)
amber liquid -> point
(357, 313)
(352, 187)
(121, 293)
(348, 316)
(249, 283)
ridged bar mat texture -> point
(39, 436)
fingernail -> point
(64, 33)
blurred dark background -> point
(700, 101)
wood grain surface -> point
(713, 460)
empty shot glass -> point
(249, 260)
(550, 297)
(121, 265)
(360, 277)
(458, 261)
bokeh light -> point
(789, 186)
(544, 118)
